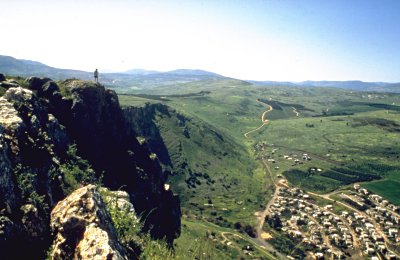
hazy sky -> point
(249, 39)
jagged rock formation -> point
(83, 228)
(104, 137)
(37, 125)
(29, 139)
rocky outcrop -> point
(30, 140)
(37, 125)
(4, 83)
(83, 228)
(107, 139)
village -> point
(355, 223)
(370, 230)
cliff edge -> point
(55, 138)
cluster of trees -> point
(347, 176)
(194, 179)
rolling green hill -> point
(349, 136)
(217, 180)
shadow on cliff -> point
(142, 120)
(94, 120)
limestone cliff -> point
(39, 122)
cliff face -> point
(37, 125)
(142, 120)
(30, 137)
(97, 124)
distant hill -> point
(26, 68)
(141, 72)
(273, 83)
(140, 79)
(351, 84)
(193, 73)
(183, 72)
(131, 79)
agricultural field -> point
(387, 188)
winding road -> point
(261, 218)
(264, 120)
(295, 111)
(277, 185)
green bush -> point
(139, 245)
(27, 181)
(155, 249)
(126, 224)
(76, 171)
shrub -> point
(76, 171)
(27, 182)
(125, 222)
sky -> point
(279, 40)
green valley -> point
(321, 140)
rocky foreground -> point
(55, 138)
(84, 228)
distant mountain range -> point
(17, 67)
(148, 79)
(134, 79)
(351, 85)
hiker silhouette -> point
(96, 76)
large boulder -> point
(2, 77)
(36, 83)
(83, 228)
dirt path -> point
(295, 111)
(225, 240)
(264, 120)
(265, 212)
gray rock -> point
(83, 228)
(9, 84)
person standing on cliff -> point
(96, 76)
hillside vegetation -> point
(347, 136)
